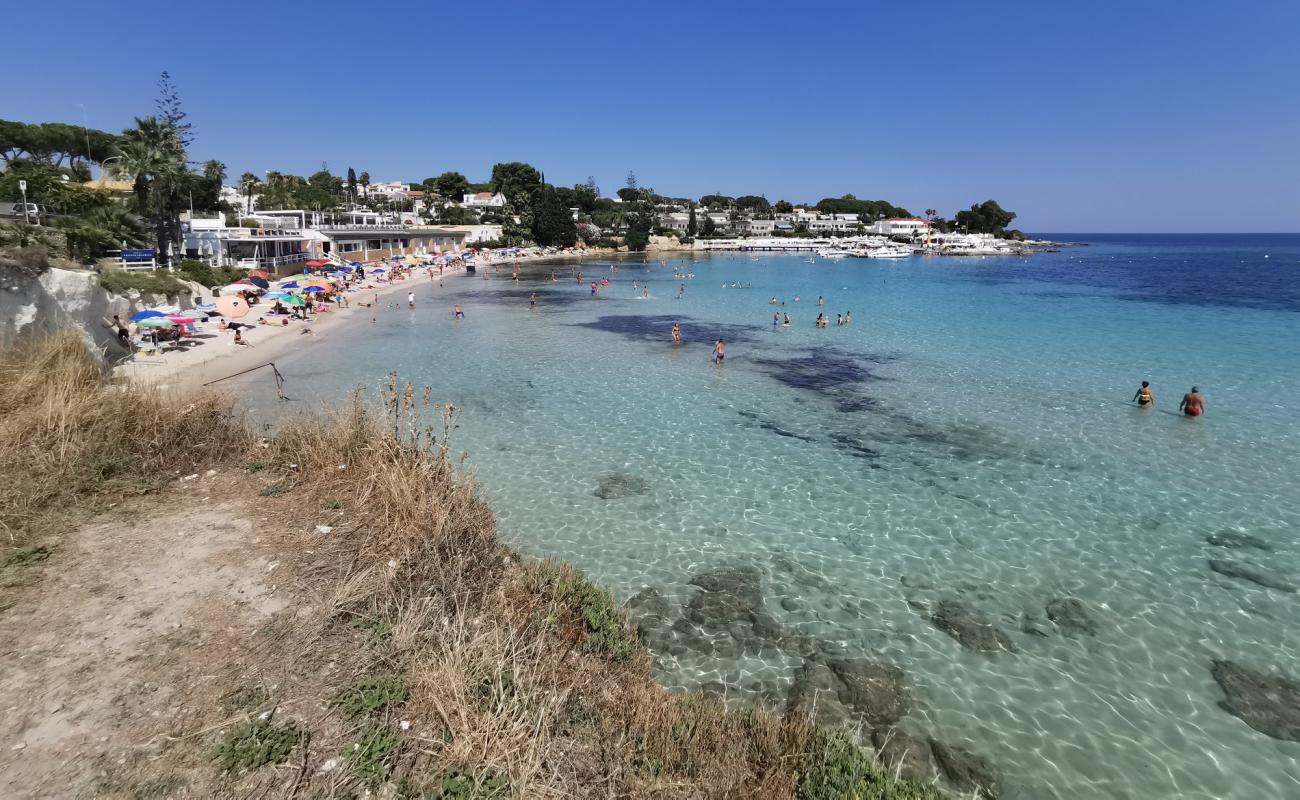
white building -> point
(906, 226)
(832, 226)
(755, 227)
(483, 201)
(477, 233)
(389, 189)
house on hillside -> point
(483, 201)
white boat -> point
(833, 253)
(896, 251)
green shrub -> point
(604, 624)
(256, 743)
(25, 556)
(371, 756)
(371, 694)
(836, 768)
(120, 281)
(472, 785)
(199, 272)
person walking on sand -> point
(677, 333)
(1144, 398)
(719, 352)
(1193, 404)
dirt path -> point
(116, 643)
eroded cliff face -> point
(63, 298)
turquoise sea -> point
(967, 438)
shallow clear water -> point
(966, 437)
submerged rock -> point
(1255, 574)
(816, 691)
(618, 485)
(970, 628)
(876, 691)
(729, 609)
(911, 758)
(1071, 616)
(1237, 540)
(650, 610)
(967, 771)
(1269, 703)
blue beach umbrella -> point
(275, 295)
(345, 269)
(378, 269)
(146, 314)
(290, 285)
(313, 289)
(355, 263)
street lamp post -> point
(22, 187)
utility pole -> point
(22, 187)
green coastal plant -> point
(256, 743)
(371, 694)
(370, 757)
(605, 628)
(120, 282)
(836, 768)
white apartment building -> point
(899, 227)
(755, 227)
(483, 201)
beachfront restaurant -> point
(372, 242)
(278, 250)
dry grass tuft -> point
(69, 444)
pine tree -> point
(690, 224)
(170, 111)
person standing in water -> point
(719, 352)
(532, 302)
(1144, 398)
(786, 322)
(1193, 404)
(410, 299)
(677, 333)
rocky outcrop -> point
(967, 772)
(1263, 576)
(1269, 703)
(66, 298)
(970, 628)
(911, 758)
(876, 691)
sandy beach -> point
(216, 356)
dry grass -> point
(519, 678)
(69, 445)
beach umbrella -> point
(150, 323)
(313, 289)
(146, 314)
(179, 319)
(290, 285)
(355, 263)
(232, 307)
(317, 263)
(378, 269)
(257, 273)
(275, 295)
(205, 307)
(194, 314)
(258, 282)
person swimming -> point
(1144, 398)
(1193, 404)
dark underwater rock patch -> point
(905, 754)
(1238, 540)
(618, 485)
(876, 691)
(729, 611)
(659, 327)
(970, 628)
(967, 771)
(1263, 576)
(821, 369)
(789, 434)
(1071, 616)
(1267, 702)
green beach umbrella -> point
(155, 322)
(295, 300)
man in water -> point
(1193, 404)
(456, 312)
(1144, 398)
(719, 352)
(532, 301)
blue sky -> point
(1096, 116)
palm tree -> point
(248, 183)
(154, 158)
(102, 229)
